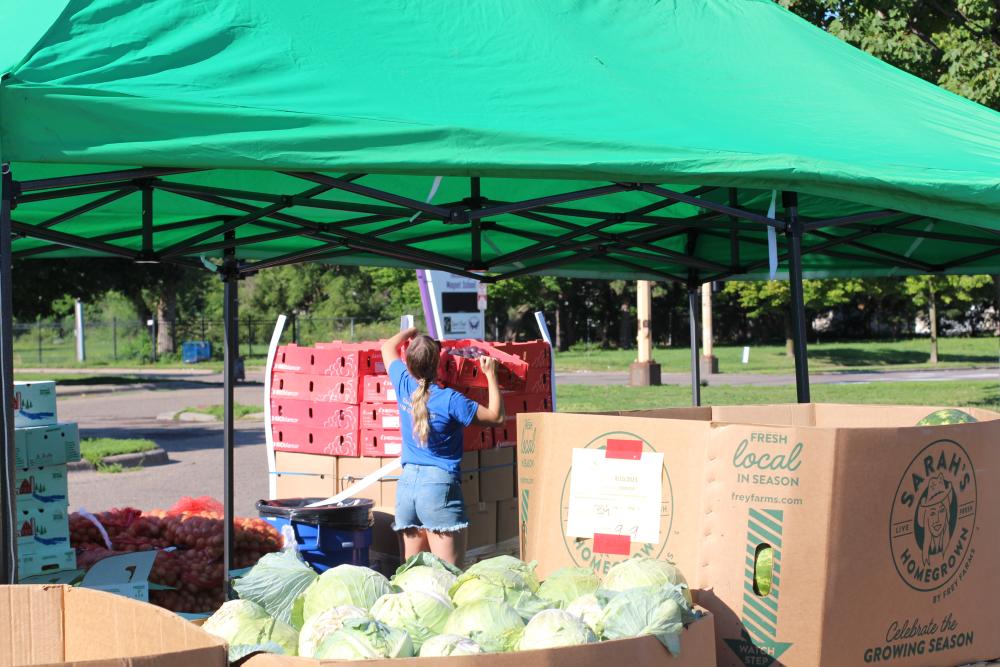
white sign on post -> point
(615, 496)
(458, 305)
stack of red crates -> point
(317, 394)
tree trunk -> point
(166, 320)
(932, 314)
(789, 338)
(559, 334)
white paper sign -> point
(615, 496)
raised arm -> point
(390, 348)
(493, 414)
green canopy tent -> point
(634, 140)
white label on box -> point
(390, 394)
(394, 449)
(615, 496)
(390, 422)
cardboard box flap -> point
(48, 625)
(697, 650)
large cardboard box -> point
(46, 445)
(496, 474)
(305, 475)
(353, 470)
(41, 526)
(507, 523)
(45, 560)
(885, 534)
(470, 477)
(57, 625)
(482, 529)
(48, 484)
(34, 404)
(697, 650)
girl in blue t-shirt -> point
(430, 510)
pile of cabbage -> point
(431, 608)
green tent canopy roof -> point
(600, 138)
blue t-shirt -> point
(450, 412)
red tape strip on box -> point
(624, 449)
(619, 545)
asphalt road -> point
(195, 450)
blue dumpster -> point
(195, 351)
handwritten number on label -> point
(131, 572)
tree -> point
(952, 43)
(929, 291)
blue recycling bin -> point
(195, 351)
(326, 536)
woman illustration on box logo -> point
(430, 510)
(934, 515)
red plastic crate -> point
(480, 395)
(538, 381)
(340, 416)
(535, 353)
(384, 443)
(516, 402)
(475, 438)
(316, 388)
(383, 416)
(305, 440)
(378, 389)
(465, 372)
(506, 435)
(292, 359)
(348, 360)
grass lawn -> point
(84, 378)
(239, 410)
(94, 450)
(823, 357)
(586, 398)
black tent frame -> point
(470, 216)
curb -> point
(154, 457)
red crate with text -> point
(538, 381)
(535, 353)
(463, 369)
(293, 359)
(516, 402)
(378, 389)
(380, 416)
(384, 443)
(475, 438)
(306, 440)
(316, 388)
(506, 435)
(348, 359)
(340, 416)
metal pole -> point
(693, 321)
(8, 542)
(793, 234)
(81, 343)
(230, 348)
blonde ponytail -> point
(421, 417)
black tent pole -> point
(793, 233)
(230, 313)
(695, 368)
(8, 541)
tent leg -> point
(8, 542)
(230, 313)
(695, 369)
(794, 236)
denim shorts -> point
(431, 498)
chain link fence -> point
(53, 343)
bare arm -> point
(390, 348)
(494, 413)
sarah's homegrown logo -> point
(582, 550)
(934, 516)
